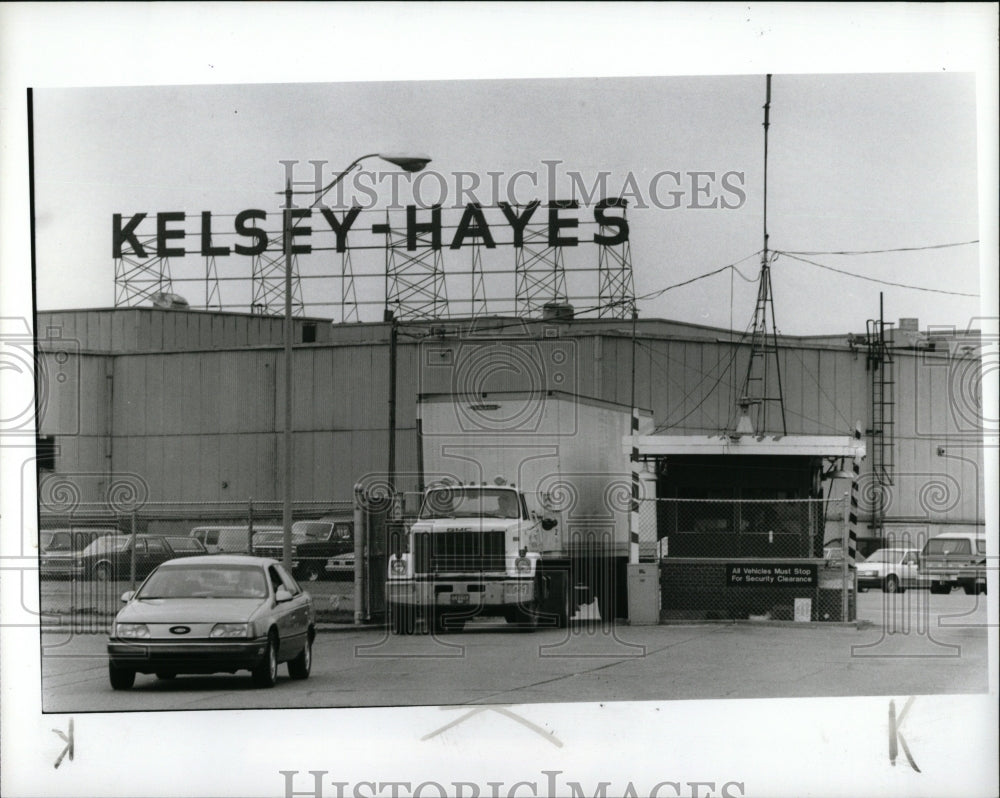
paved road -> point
(916, 643)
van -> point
(228, 539)
(955, 558)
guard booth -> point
(741, 522)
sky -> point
(855, 163)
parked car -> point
(59, 548)
(258, 617)
(955, 558)
(892, 570)
(228, 539)
(110, 557)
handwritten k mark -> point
(895, 735)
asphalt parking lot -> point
(910, 643)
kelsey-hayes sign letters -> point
(423, 230)
(771, 575)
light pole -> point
(408, 163)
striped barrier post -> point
(633, 519)
(850, 537)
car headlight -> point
(131, 630)
(522, 565)
(230, 630)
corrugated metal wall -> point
(205, 425)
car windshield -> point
(471, 502)
(107, 544)
(216, 581)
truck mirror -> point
(548, 523)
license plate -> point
(459, 598)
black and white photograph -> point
(489, 432)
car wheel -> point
(265, 674)
(970, 590)
(102, 572)
(940, 587)
(891, 585)
(120, 678)
(299, 667)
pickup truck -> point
(955, 558)
(110, 557)
(319, 548)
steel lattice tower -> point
(212, 298)
(138, 280)
(616, 291)
(414, 277)
(268, 281)
(539, 270)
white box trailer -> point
(565, 462)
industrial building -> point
(190, 402)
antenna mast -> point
(754, 397)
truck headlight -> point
(522, 565)
(131, 630)
(398, 567)
(230, 630)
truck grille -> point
(459, 552)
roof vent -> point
(557, 311)
(167, 300)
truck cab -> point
(474, 550)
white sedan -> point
(210, 614)
(892, 570)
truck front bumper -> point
(459, 592)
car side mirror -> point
(127, 596)
(548, 523)
(281, 595)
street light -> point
(409, 163)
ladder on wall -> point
(881, 367)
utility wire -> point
(874, 279)
(881, 251)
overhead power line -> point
(879, 251)
(875, 279)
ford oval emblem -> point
(180, 630)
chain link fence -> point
(756, 559)
(89, 553)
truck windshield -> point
(471, 502)
(947, 546)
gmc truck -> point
(527, 524)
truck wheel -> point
(401, 619)
(940, 587)
(891, 585)
(527, 618)
(564, 609)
